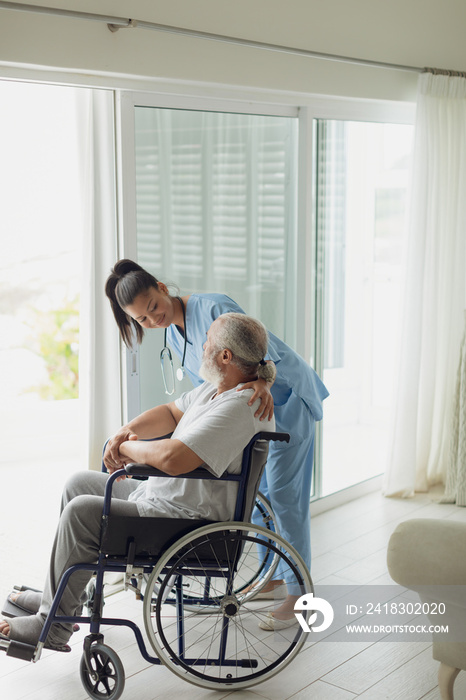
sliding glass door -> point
(361, 188)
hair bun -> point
(122, 267)
(267, 371)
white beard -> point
(209, 370)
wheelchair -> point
(200, 580)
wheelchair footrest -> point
(19, 650)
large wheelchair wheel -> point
(224, 648)
(106, 676)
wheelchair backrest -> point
(254, 460)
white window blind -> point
(216, 203)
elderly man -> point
(210, 426)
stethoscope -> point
(166, 353)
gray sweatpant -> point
(77, 541)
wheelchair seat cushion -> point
(151, 536)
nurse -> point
(139, 302)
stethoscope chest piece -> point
(180, 374)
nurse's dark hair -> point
(126, 281)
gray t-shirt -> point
(217, 429)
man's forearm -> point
(170, 456)
(152, 453)
(156, 422)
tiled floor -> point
(349, 547)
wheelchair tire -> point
(224, 649)
(106, 664)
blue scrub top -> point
(294, 375)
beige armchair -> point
(429, 556)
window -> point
(362, 172)
(39, 316)
(41, 275)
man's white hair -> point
(247, 339)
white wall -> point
(412, 32)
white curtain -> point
(99, 372)
(435, 293)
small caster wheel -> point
(106, 677)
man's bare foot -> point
(4, 628)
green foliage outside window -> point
(56, 340)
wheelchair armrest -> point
(136, 469)
(278, 437)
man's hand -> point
(113, 460)
(261, 391)
(156, 422)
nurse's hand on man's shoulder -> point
(261, 390)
